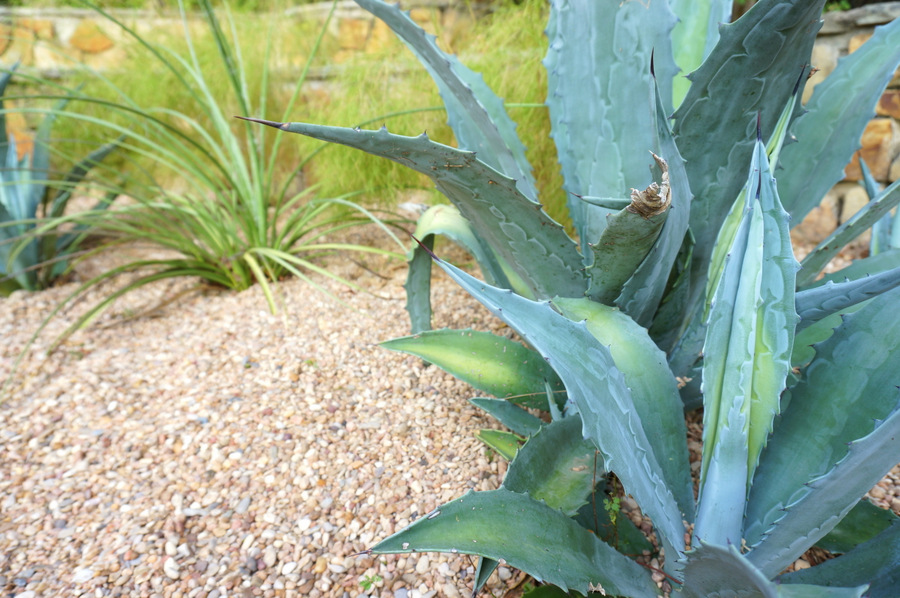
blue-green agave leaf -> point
(847, 390)
(821, 301)
(695, 36)
(528, 535)
(750, 72)
(490, 363)
(723, 571)
(599, 392)
(506, 444)
(520, 233)
(823, 501)
(881, 231)
(876, 562)
(863, 523)
(644, 291)
(556, 466)
(629, 236)
(747, 354)
(507, 413)
(602, 110)
(829, 133)
(654, 389)
(476, 115)
(447, 221)
(857, 224)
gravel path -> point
(207, 448)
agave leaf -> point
(444, 220)
(476, 115)
(723, 571)
(654, 389)
(821, 301)
(505, 443)
(629, 236)
(643, 292)
(556, 466)
(515, 418)
(860, 222)
(881, 231)
(517, 229)
(622, 534)
(599, 392)
(603, 125)
(822, 502)
(528, 535)
(745, 75)
(863, 523)
(490, 363)
(747, 355)
(876, 562)
(830, 131)
(694, 36)
(848, 388)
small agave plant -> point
(685, 294)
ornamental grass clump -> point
(682, 290)
(199, 184)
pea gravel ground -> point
(203, 447)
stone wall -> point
(52, 40)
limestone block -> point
(42, 28)
(19, 46)
(854, 198)
(5, 37)
(880, 145)
(889, 104)
(894, 172)
(89, 38)
(380, 38)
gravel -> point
(204, 447)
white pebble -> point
(82, 575)
(171, 569)
(289, 568)
(423, 565)
(248, 541)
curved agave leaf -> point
(694, 37)
(864, 522)
(556, 466)
(476, 115)
(860, 222)
(723, 571)
(744, 75)
(848, 388)
(599, 392)
(629, 236)
(604, 124)
(829, 133)
(654, 389)
(506, 444)
(528, 535)
(821, 504)
(490, 363)
(518, 230)
(643, 292)
(507, 413)
(748, 348)
(444, 220)
(876, 562)
(829, 298)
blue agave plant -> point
(683, 292)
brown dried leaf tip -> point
(654, 199)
